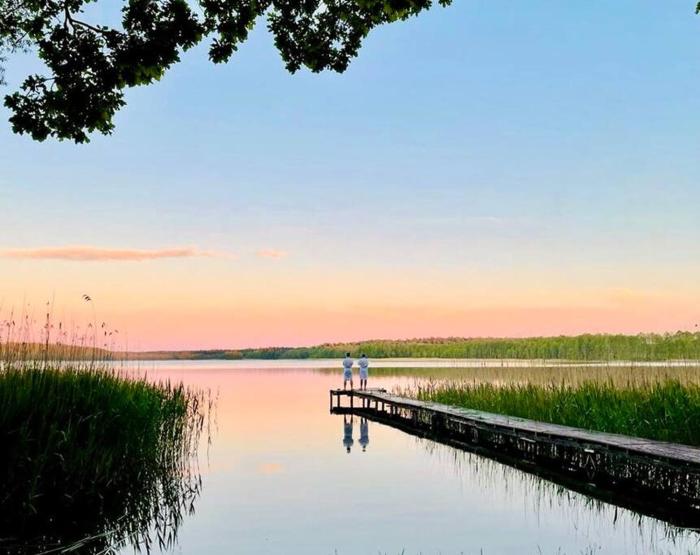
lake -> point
(278, 478)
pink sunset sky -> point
(187, 297)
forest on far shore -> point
(641, 347)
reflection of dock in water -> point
(654, 478)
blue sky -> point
(544, 140)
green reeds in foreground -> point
(94, 456)
(665, 410)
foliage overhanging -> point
(89, 64)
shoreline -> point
(332, 363)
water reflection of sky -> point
(279, 479)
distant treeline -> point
(642, 347)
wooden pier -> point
(656, 478)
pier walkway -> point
(659, 476)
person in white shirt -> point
(364, 371)
(347, 371)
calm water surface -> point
(278, 479)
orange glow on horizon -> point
(162, 329)
(220, 303)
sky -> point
(493, 168)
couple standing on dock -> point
(363, 363)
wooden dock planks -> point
(655, 478)
(672, 452)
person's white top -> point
(347, 367)
(364, 365)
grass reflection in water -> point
(94, 459)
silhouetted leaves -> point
(89, 64)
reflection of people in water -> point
(347, 433)
(364, 434)
(364, 366)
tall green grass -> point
(666, 410)
(587, 347)
(92, 454)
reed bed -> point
(93, 458)
(666, 409)
(619, 375)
